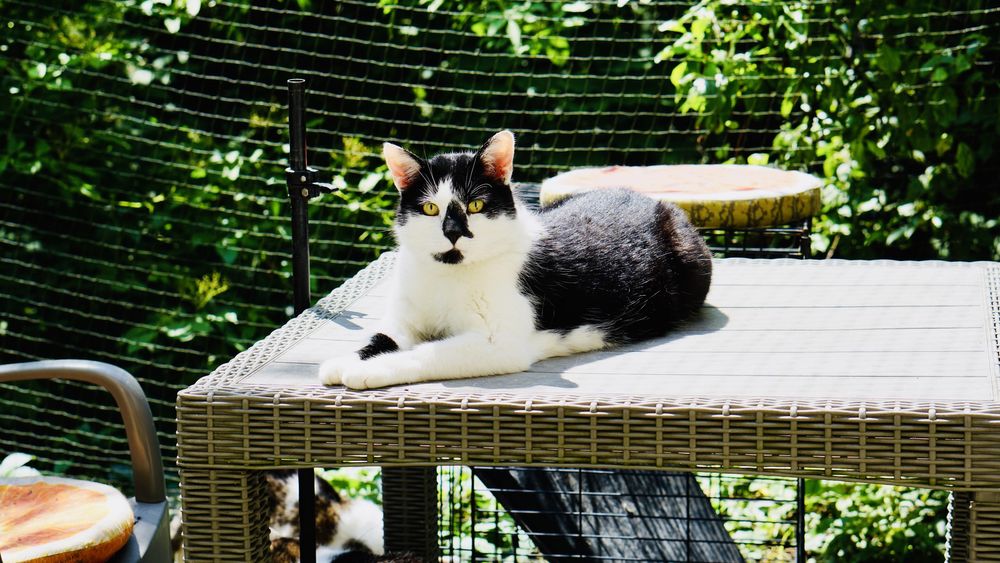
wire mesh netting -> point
(574, 515)
(143, 219)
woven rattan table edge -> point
(223, 398)
(940, 449)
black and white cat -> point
(483, 286)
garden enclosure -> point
(143, 218)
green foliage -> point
(759, 513)
(139, 234)
(890, 121)
(893, 109)
(355, 482)
(875, 523)
(526, 28)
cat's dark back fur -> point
(618, 260)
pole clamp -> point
(305, 184)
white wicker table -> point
(884, 372)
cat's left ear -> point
(497, 156)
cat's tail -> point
(581, 339)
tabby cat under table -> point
(347, 530)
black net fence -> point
(143, 216)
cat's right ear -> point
(405, 167)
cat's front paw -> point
(331, 372)
(360, 376)
(378, 372)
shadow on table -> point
(552, 373)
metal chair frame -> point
(150, 541)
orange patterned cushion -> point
(55, 520)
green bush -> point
(874, 523)
(903, 125)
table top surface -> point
(810, 330)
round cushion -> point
(56, 520)
(713, 195)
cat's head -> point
(456, 208)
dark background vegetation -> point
(143, 218)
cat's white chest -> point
(451, 300)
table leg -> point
(224, 515)
(973, 527)
(984, 527)
(409, 502)
(957, 545)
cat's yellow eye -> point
(430, 208)
(476, 205)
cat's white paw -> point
(362, 376)
(380, 371)
(331, 372)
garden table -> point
(884, 372)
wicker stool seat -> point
(713, 195)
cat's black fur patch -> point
(379, 344)
(468, 182)
(285, 550)
(621, 261)
(453, 256)
(279, 487)
(456, 223)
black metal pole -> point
(298, 177)
(800, 520)
(298, 191)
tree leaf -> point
(965, 160)
(788, 102)
(514, 34)
(173, 25)
(888, 59)
(678, 76)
